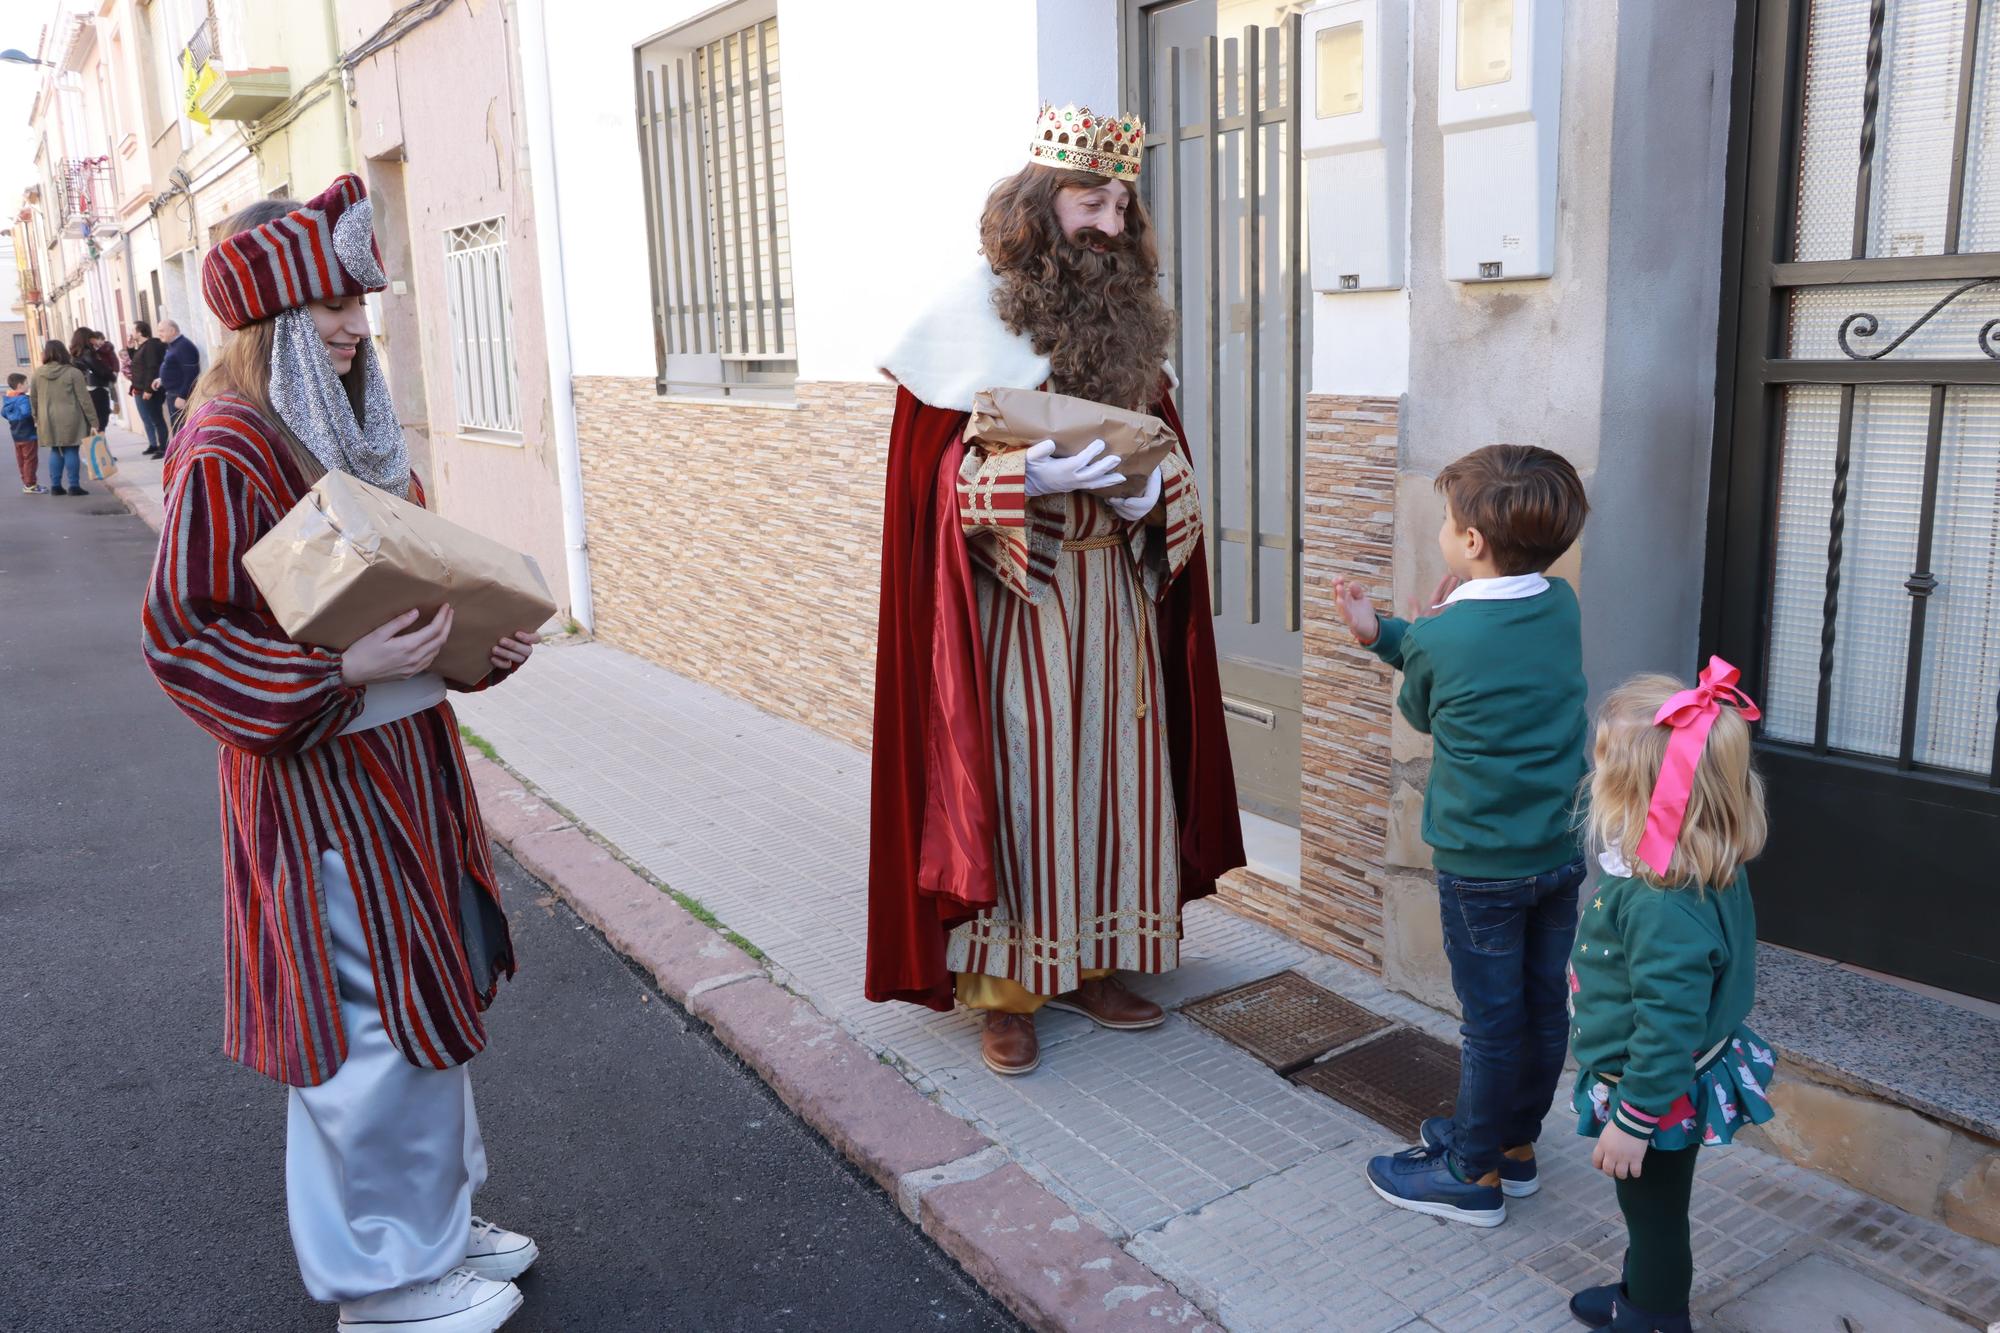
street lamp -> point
(14, 56)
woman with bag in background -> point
(365, 933)
(64, 415)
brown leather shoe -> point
(1009, 1044)
(1107, 1003)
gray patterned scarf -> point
(313, 404)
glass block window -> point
(1953, 335)
(479, 296)
(1916, 122)
(1960, 690)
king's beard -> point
(1093, 307)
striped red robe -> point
(395, 801)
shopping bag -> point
(98, 458)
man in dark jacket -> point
(152, 402)
(180, 367)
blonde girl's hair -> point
(1725, 826)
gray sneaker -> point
(498, 1254)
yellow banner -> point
(195, 82)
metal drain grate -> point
(1284, 1020)
(1397, 1079)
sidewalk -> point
(1240, 1188)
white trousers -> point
(382, 1159)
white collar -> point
(1506, 588)
(960, 345)
(1614, 863)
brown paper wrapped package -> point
(349, 557)
(1016, 418)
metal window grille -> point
(481, 304)
(712, 147)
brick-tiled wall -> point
(1350, 508)
(741, 545)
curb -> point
(1016, 1238)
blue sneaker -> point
(1518, 1179)
(1423, 1181)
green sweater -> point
(1498, 686)
(1659, 977)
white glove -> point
(1081, 471)
(1133, 508)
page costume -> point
(363, 930)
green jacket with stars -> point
(1659, 978)
(1498, 687)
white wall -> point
(1077, 52)
(899, 117)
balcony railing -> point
(87, 205)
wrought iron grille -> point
(479, 297)
(1879, 360)
(712, 149)
(1245, 242)
(85, 196)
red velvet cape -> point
(933, 817)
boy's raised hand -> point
(1446, 587)
(1356, 609)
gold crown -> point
(1073, 139)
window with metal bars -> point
(712, 149)
(481, 304)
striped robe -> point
(395, 800)
(1088, 870)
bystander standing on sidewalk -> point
(147, 352)
(20, 412)
(88, 353)
(64, 415)
(180, 367)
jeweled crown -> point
(1074, 139)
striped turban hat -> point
(321, 250)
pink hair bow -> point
(1690, 713)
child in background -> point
(20, 413)
(1665, 971)
(1495, 676)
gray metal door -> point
(1222, 183)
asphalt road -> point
(141, 1173)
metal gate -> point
(1855, 554)
(1222, 184)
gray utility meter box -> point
(1352, 133)
(1499, 104)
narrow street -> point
(142, 1172)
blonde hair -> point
(1725, 824)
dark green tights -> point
(1659, 1266)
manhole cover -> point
(1284, 1020)
(1398, 1079)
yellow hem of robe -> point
(979, 991)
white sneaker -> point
(459, 1302)
(498, 1254)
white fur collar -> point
(960, 346)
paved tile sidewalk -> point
(1242, 1189)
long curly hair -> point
(1097, 316)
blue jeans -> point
(1508, 942)
(64, 458)
(153, 412)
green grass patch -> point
(478, 742)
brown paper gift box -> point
(1016, 418)
(349, 557)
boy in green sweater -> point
(1493, 673)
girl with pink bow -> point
(1665, 972)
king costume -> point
(1051, 776)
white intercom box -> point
(1499, 104)
(1355, 107)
